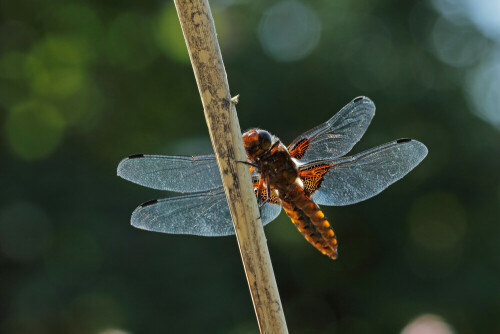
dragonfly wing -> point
(204, 214)
(269, 211)
(173, 173)
(337, 136)
(353, 179)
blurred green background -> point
(85, 83)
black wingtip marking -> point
(154, 201)
(359, 98)
(403, 140)
(134, 156)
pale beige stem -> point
(220, 112)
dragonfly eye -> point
(265, 139)
(256, 142)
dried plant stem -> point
(220, 113)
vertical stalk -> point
(220, 113)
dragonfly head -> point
(257, 142)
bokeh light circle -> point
(113, 331)
(34, 129)
(289, 31)
(482, 89)
(55, 66)
(437, 221)
(457, 45)
(130, 42)
(428, 324)
(169, 36)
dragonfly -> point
(312, 171)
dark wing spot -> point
(134, 156)
(403, 140)
(154, 201)
(359, 98)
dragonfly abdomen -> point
(311, 222)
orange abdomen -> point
(310, 221)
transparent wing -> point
(185, 174)
(353, 179)
(338, 135)
(205, 214)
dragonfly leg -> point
(260, 194)
(259, 188)
(248, 163)
(261, 204)
(268, 188)
(268, 191)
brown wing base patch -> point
(313, 176)
(299, 149)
